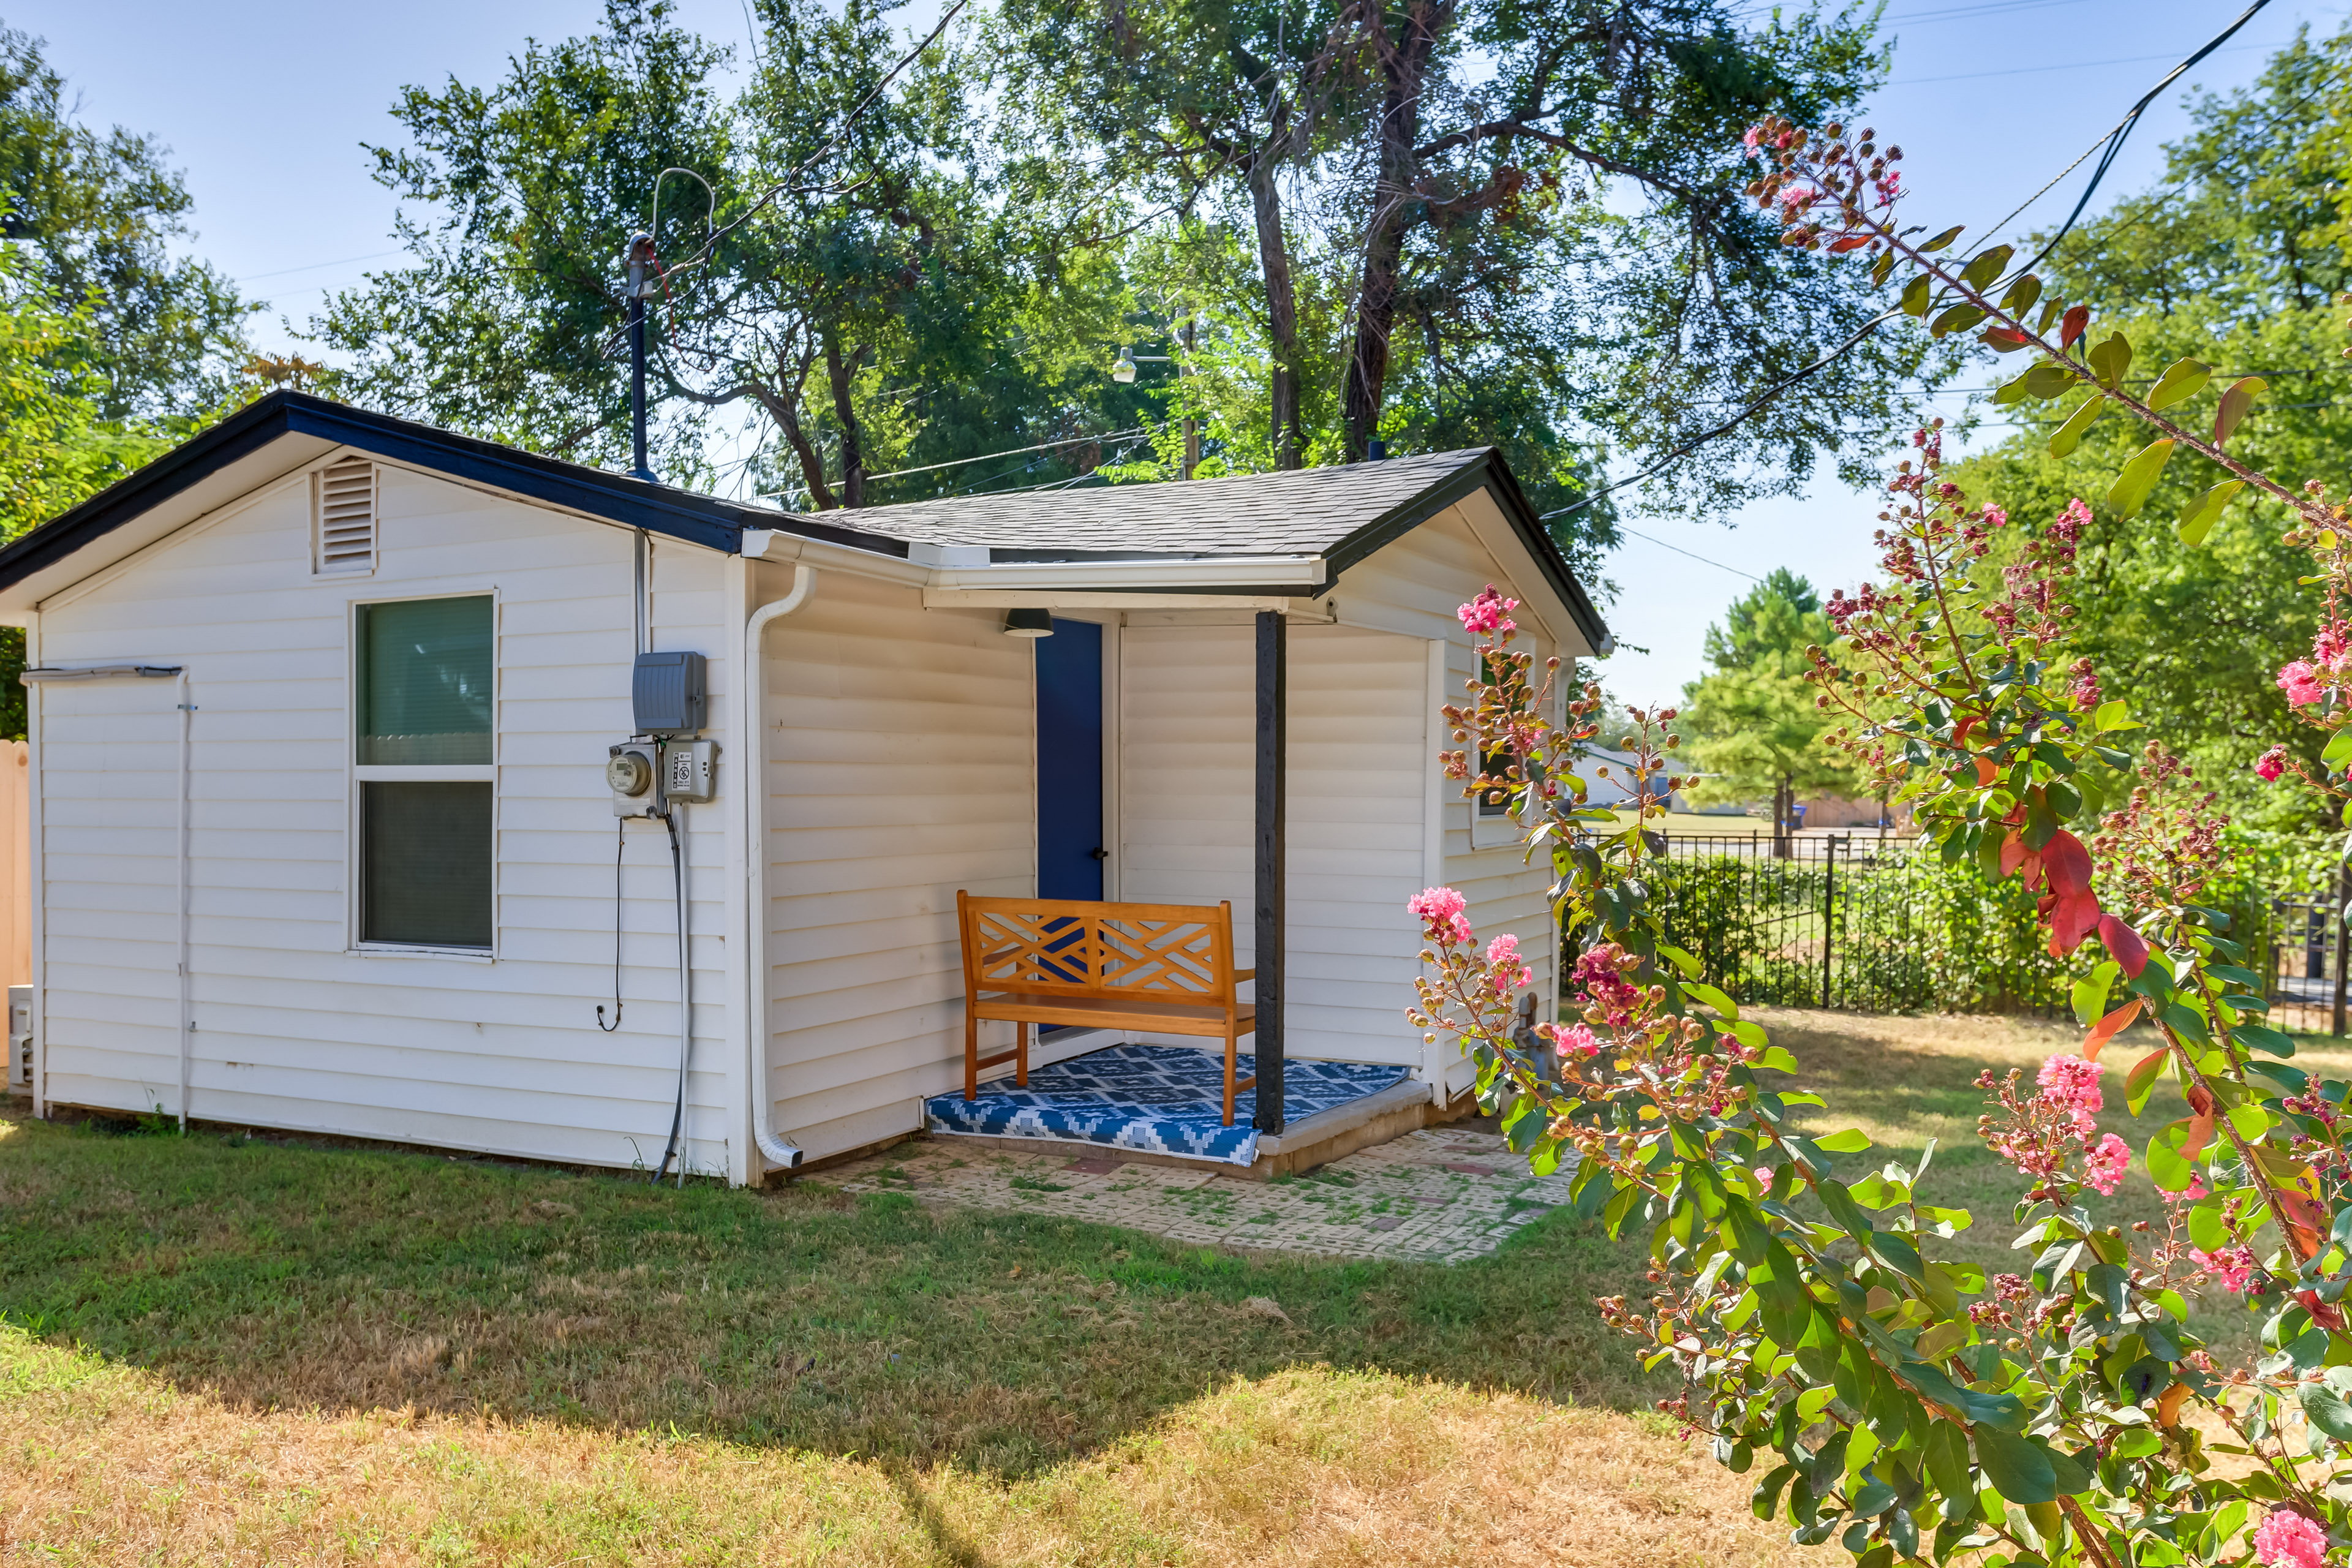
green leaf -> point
(2050, 309)
(1942, 239)
(1958, 318)
(1707, 995)
(2198, 518)
(2338, 750)
(2182, 378)
(2022, 295)
(1683, 962)
(2110, 359)
(2018, 1467)
(2234, 404)
(2325, 1408)
(2165, 1168)
(2070, 433)
(1851, 1142)
(1942, 1338)
(2263, 1037)
(2114, 714)
(2207, 1228)
(1882, 269)
(1987, 266)
(2130, 492)
(2142, 1081)
(2090, 996)
(1916, 295)
(1878, 1193)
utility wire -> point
(1733, 423)
(2116, 139)
(1693, 554)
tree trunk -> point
(1394, 190)
(841, 373)
(1784, 809)
(1281, 302)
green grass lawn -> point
(226, 1349)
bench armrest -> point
(1241, 974)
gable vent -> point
(346, 494)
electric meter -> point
(633, 771)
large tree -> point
(101, 212)
(835, 274)
(1473, 220)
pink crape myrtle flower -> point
(2301, 684)
(1510, 970)
(1489, 613)
(1440, 910)
(2104, 1166)
(1576, 1040)
(2073, 1084)
(2271, 764)
(2232, 1265)
(2288, 1540)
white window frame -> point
(357, 774)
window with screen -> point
(421, 713)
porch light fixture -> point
(1029, 623)
(1122, 369)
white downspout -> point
(754, 686)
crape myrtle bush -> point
(1883, 1394)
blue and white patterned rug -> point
(1158, 1099)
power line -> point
(2065, 66)
(2122, 132)
(1693, 554)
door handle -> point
(1099, 854)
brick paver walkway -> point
(1440, 1195)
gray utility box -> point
(669, 693)
(20, 1039)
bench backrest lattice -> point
(1168, 952)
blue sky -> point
(266, 106)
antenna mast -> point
(637, 259)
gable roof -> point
(1339, 514)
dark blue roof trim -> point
(657, 508)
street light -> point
(1122, 369)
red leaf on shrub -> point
(2075, 917)
(2067, 864)
(2072, 325)
(2106, 1028)
(1986, 771)
(1850, 242)
(2002, 340)
(2123, 945)
(2200, 1132)
(2012, 854)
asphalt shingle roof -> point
(1302, 512)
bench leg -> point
(1020, 1056)
(1232, 1052)
(970, 1056)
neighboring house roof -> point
(1338, 514)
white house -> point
(322, 704)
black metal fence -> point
(1866, 921)
(1813, 920)
(2306, 964)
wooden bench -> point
(1163, 968)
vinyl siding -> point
(293, 1029)
(901, 767)
(1416, 583)
(1186, 791)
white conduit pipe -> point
(754, 772)
(182, 960)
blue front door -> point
(1070, 848)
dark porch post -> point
(1272, 791)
